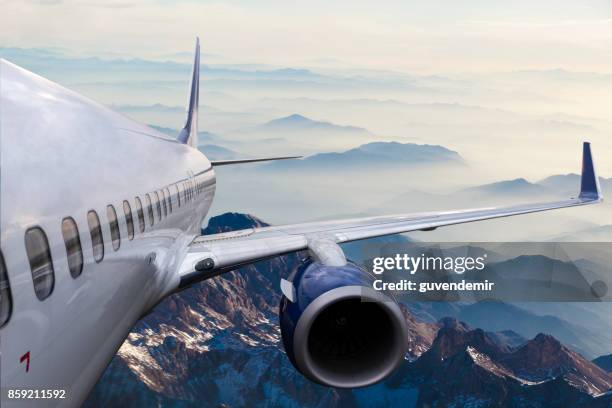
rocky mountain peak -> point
(544, 358)
(455, 336)
(546, 340)
(231, 221)
(451, 323)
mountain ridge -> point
(299, 123)
(218, 344)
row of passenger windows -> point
(158, 203)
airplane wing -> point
(210, 255)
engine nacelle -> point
(339, 331)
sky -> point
(420, 36)
(514, 87)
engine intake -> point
(339, 331)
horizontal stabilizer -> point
(240, 161)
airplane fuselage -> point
(64, 156)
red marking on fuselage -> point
(26, 357)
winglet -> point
(189, 133)
(589, 183)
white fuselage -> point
(62, 155)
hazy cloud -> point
(420, 36)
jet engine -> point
(336, 329)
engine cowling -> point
(339, 331)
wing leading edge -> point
(210, 255)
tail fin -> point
(589, 183)
(189, 133)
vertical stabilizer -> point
(189, 133)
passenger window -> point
(129, 221)
(178, 194)
(111, 214)
(157, 205)
(169, 199)
(72, 241)
(97, 240)
(163, 201)
(150, 209)
(41, 265)
(6, 301)
(141, 219)
(186, 192)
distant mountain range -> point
(301, 123)
(505, 192)
(508, 316)
(375, 154)
(299, 132)
(568, 183)
(217, 344)
(518, 186)
(389, 154)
